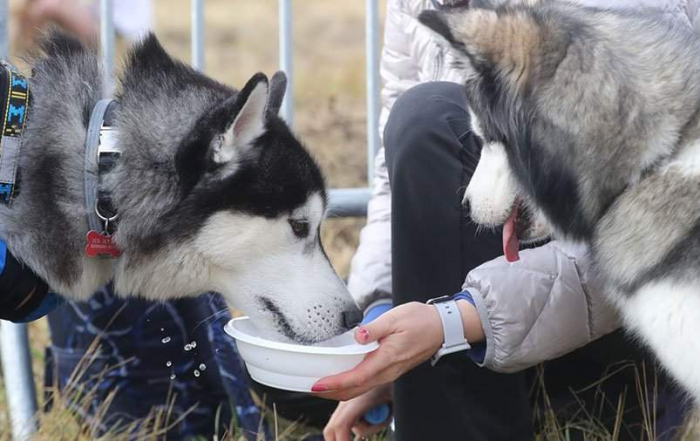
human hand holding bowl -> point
(408, 335)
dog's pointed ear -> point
(148, 57)
(224, 133)
(507, 42)
(439, 22)
(248, 110)
(459, 27)
(278, 87)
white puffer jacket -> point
(545, 305)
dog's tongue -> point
(511, 243)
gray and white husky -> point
(212, 189)
(590, 121)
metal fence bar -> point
(107, 44)
(19, 379)
(348, 202)
(198, 34)
(14, 340)
(373, 83)
(286, 58)
(4, 30)
(344, 202)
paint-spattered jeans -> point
(151, 356)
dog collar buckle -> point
(101, 154)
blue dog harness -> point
(14, 98)
(23, 295)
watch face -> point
(439, 300)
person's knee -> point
(417, 119)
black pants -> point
(431, 155)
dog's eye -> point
(299, 227)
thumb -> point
(376, 329)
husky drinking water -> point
(185, 185)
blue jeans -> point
(149, 353)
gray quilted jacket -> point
(539, 308)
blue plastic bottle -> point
(377, 415)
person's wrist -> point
(473, 328)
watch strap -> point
(453, 329)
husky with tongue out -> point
(493, 199)
(590, 121)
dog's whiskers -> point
(480, 228)
(211, 317)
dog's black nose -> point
(466, 208)
(351, 318)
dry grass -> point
(589, 420)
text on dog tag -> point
(100, 244)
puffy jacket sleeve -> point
(370, 274)
(545, 305)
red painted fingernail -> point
(319, 388)
(364, 334)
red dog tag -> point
(101, 245)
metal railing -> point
(344, 202)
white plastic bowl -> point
(294, 367)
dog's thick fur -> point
(213, 192)
(594, 118)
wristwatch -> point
(452, 326)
